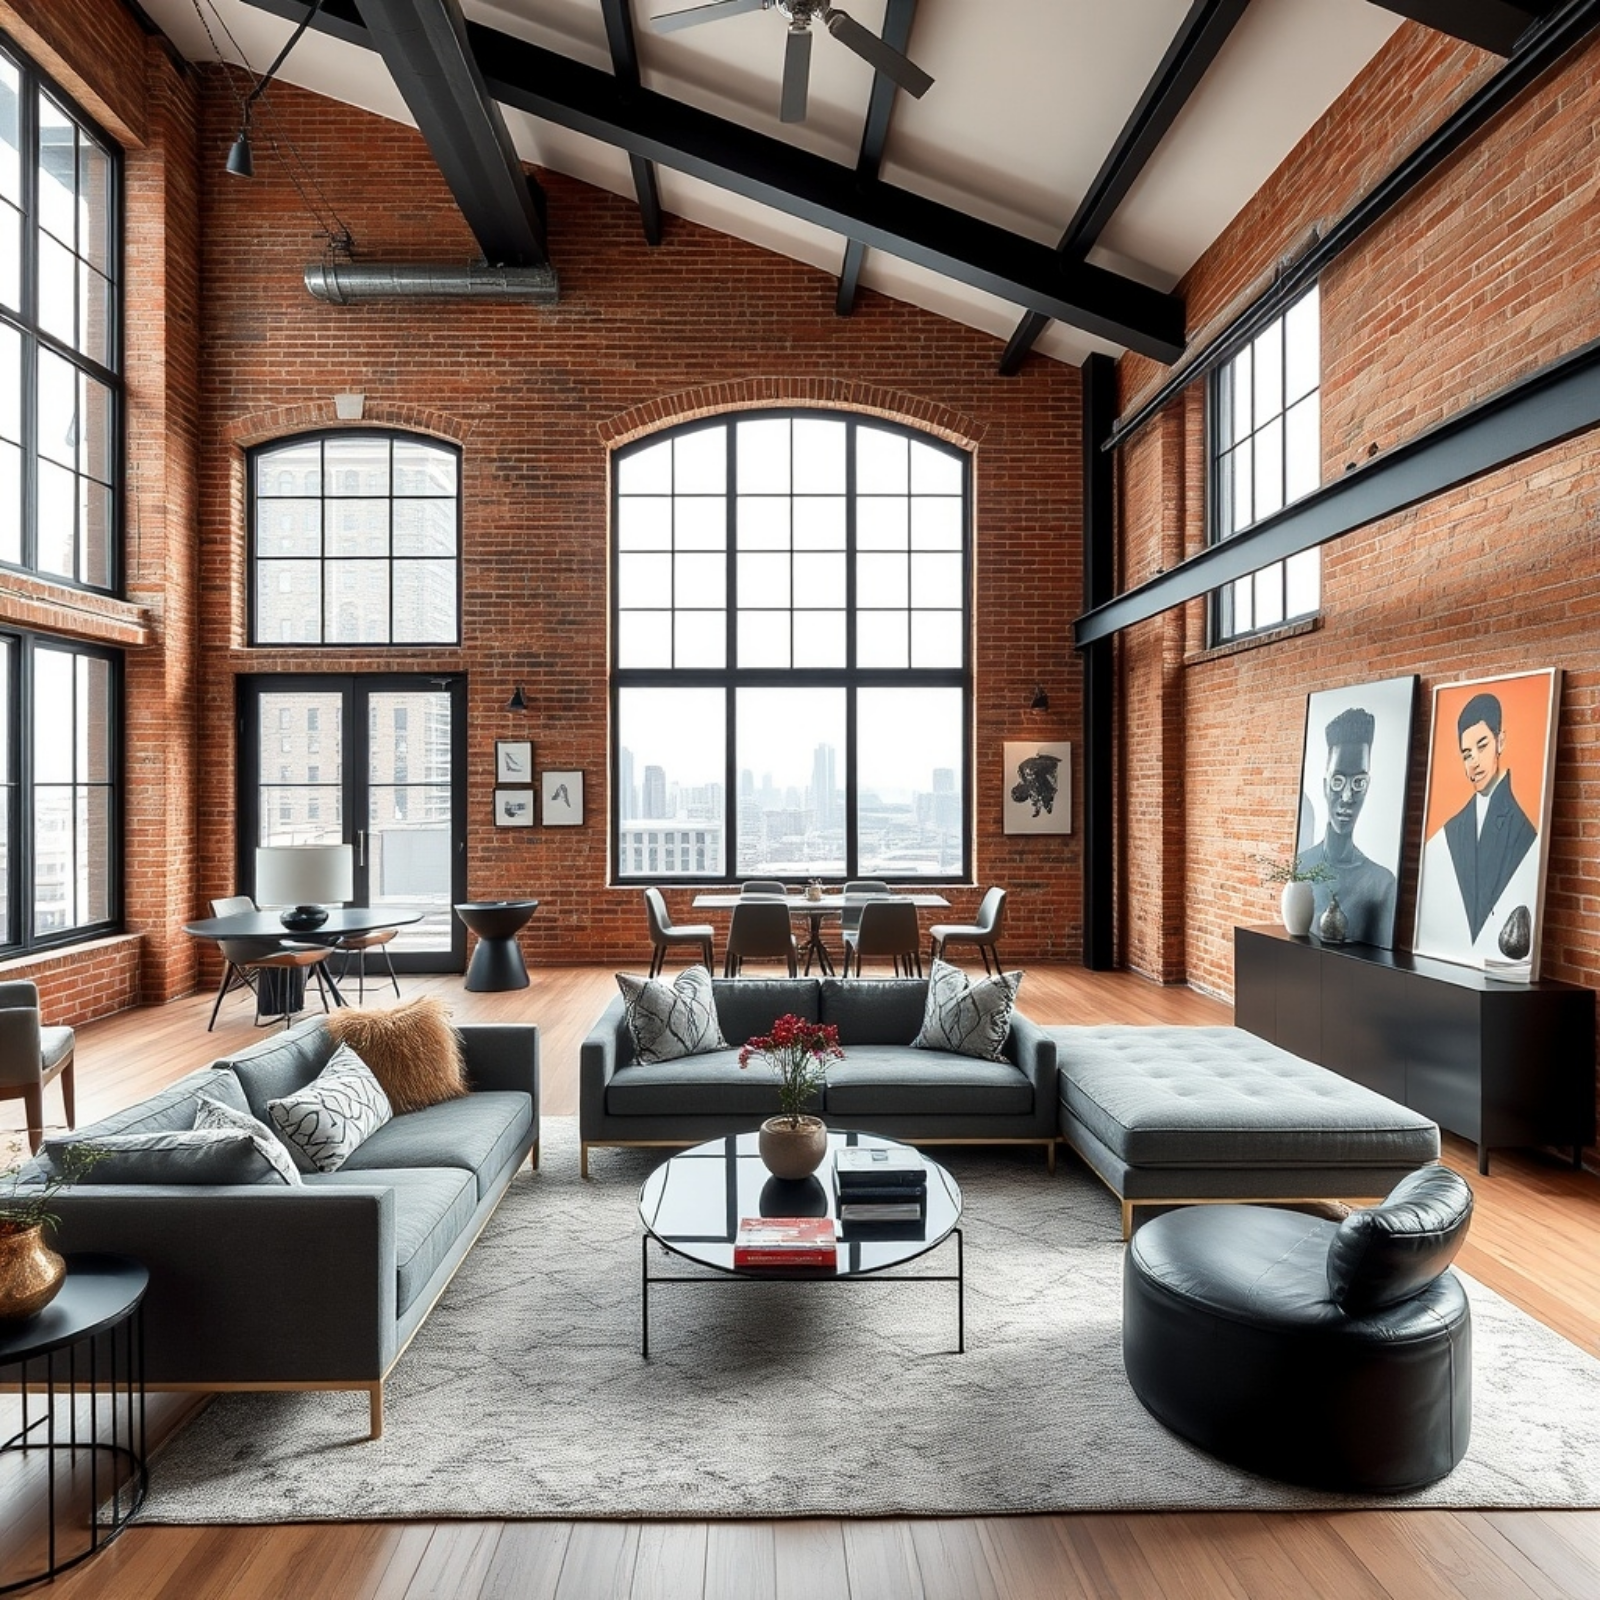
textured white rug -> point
(524, 1394)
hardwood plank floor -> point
(1534, 1238)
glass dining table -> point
(816, 909)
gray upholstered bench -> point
(1166, 1116)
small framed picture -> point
(1038, 788)
(562, 797)
(513, 761)
(513, 808)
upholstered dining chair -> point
(760, 929)
(664, 932)
(887, 928)
(359, 945)
(850, 916)
(243, 959)
(984, 932)
(761, 886)
(32, 1055)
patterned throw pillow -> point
(209, 1113)
(969, 1019)
(324, 1122)
(671, 1020)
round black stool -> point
(1337, 1355)
(497, 962)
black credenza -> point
(1495, 1062)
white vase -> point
(1295, 905)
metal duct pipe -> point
(341, 282)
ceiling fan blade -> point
(671, 21)
(796, 75)
(866, 44)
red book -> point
(785, 1242)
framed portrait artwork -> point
(1491, 757)
(1038, 791)
(1353, 774)
(561, 796)
(513, 761)
(513, 808)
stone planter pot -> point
(1295, 905)
(793, 1152)
(31, 1274)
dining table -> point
(815, 909)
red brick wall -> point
(1485, 273)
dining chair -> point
(983, 932)
(762, 886)
(760, 929)
(32, 1055)
(664, 932)
(887, 928)
(244, 959)
(850, 916)
(358, 945)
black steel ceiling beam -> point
(625, 67)
(799, 184)
(1205, 30)
(1550, 405)
(424, 45)
(1490, 24)
(897, 19)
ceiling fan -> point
(797, 52)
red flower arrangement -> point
(799, 1052)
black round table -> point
(497, 962)
(80, 1366)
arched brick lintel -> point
(285, 421)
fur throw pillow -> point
(412, 1050)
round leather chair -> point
(1337, 1355)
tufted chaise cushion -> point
(1197, 1097)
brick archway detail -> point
(285, 421)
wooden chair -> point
(32, 1055)
(984, 933)
(664, 932)
(887, 928)
(760, 929)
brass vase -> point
(31, 1274)
(793, 1151)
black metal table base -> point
(815, 947)
(800, 1275)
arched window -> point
(791, 679)
(355, 540)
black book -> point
(856, 1193)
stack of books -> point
(878, 1185)
(785, 1242)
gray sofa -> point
(882, 1085)
(318, 1286)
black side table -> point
(497, 962)
(85, 1348)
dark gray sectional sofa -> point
(322, 1285)
(882, 1085)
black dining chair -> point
(664, 932)
(983, 932)
(887, 928)
(760, 929)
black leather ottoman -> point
(1333, 1355)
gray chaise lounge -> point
(923, 1096)
(1166, 1116)
(319, 1286)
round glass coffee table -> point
(692, 1204)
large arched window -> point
(355, 540)
(791, 679)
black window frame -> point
(32, 80)
(253, 560)
(850, 678)
(24, 645)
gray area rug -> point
(524, 1394)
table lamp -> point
(304, 878)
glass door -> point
(374, 762)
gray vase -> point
(1332, 926)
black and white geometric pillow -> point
(969, 1019)
(209, 1113)
(324, 1122)
(671, 1020)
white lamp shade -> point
(304, 874)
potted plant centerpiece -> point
(31, 1273)
(794, 1142)
(1298, 900)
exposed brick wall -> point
(1483, 274)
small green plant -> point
(25, 1208)
(1277, 870)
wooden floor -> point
(1535, 1238)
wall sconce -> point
(1040, 701)
(517, 702)
(349, 407)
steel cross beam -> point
(1490, 24)
(1204, 32)
(897, 34)
(424, 45)
(793, 181)
(625, 64)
